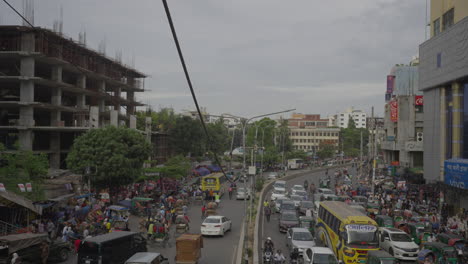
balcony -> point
(389, 145)
(414, 146)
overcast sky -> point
(249, 57)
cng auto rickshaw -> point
(380, 257)
(384, 221)
(451, 239)
(307, 222)
(437, 251)
(419, 232)
(181, 224)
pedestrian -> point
(16, 259)
(50, 228)
(230, 193)
(267, 213)
(86, 232)
(203, 211)
(185, 209)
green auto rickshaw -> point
(307, 222)
(384, 221)
(451, 239)
(419, 232)
(380, 257)
(441, 251)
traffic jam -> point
(344, 220)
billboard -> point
(390, 83)
(456, 173)
(418, 100)
(394, 111)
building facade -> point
(403, 119)
(310, 132)
(359, 117)
(444, 80)
(52, 89)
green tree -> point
(326, 151)
(297, 154)
(23, 167)
(176, 167)
(187, 137)
(351, 139)
(114, 155)
(220, 139)
(161, 121)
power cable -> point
(189, 82)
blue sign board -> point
(456, 173)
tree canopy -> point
(326, 150)
(351, 138)
(21, 167)
(114, 155)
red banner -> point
(394, 111)
(418, 100)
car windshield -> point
(362, 234)
(212, 221)
(287, 206)
(401, 237)
(240, 190)
(298, 187)
(307, 205)
(279, 185)
(301, 193)
(296, 198)
(327, 192)
(279, 191)
(324, 259)
(302, 236)
(289, 217)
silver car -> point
(299, 238)
(242, 193)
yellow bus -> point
(349, 233)
(213, 181)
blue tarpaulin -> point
(126, 203)
(117, 208)
(84, 196)
(203, 171)
(214, 168)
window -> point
(436, 26)
(439, 60)
(447, 19)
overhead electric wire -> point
(189, 82)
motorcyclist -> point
(279, 257)
(269, 244)
(230, 193)
(306, 184)
(294, 255)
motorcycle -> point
(268, 256)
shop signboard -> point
(390, 83)
(418, 100)
(394, 111)
(456, 173)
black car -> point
(288, 219)
(304, 205)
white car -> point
(272, 175)
(322, 255)
(277, 193)
(300, 238)
(215, 225)
(325, 192)
(296, 199)
(242, 194)
(398, 243)
(279, 185)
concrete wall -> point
(432, 135)
(451, 48)
(439, 7)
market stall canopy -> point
(117, 208)
(20, 241)
(12, 200)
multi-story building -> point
(310, 132)
(52, 89)
(443, 77)
(358, 116)
(403, 120)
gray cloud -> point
(252, 57)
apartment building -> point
(309, 132)
(358, 116)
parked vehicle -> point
(147, 258)
(287, 219)
(28, 246)
(384, 221)
(398, 244)
(115, 247)
(319, 255)
(216, 225)
(299, 238)
(380, 257)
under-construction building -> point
(52, 89)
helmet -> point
(269, 238)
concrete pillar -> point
(81, 100)
(56, 115)
(94, 116)
(57, 73)
(102, 102)
(118, 94)
(28, 42)
(25, 139)
(443, 134)
(114, 118)
(133, 121)
(131, 96)
(457, 118)
(55, 148)
(26, 112)
(148, 121)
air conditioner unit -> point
(419, 136)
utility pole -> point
(374, 152)
(360, 161)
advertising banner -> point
(418, 100)
(388, 97)
(28, 187)
(2, 187)
(394, 111)
(390, 83)
(21, 187)
(456, 173)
